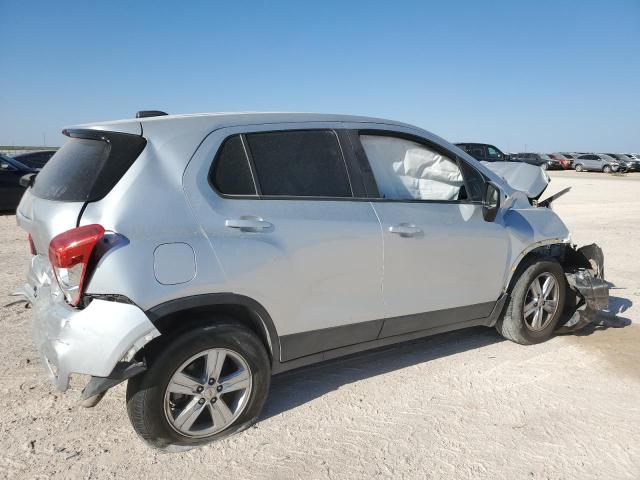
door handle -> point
(249, 224)
(405, 230)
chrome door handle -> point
(405, 230)
(250, 224)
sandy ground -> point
(461, 405)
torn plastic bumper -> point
(98, 386)
(584, 270)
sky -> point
(523, 75)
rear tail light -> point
(69, 254)
(32, 247)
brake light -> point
(69, 254)
(32, 247)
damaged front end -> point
(588, 290)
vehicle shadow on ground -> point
(295, 388)
(611, 318)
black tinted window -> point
(477, 152)
(474, 181)
(232, 174)
(86, 170)
(305, 163)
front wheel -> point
(536, 303)
(207, 384)
(544, 166)
(606, 169)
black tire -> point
(145, 392)
(512, 325)
(606, 169)
(544, 166)
(579, 167)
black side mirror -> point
(27, 180)
(490, 202)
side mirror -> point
(490, 202)
(27, 180)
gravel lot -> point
(460, 405)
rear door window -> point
(231, 174)
(300, 163)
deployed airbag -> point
(409, 170)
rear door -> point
(443, 264)
(278, 205)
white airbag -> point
(408, 170)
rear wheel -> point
(579, 168)
(606, 169)
(208, 383)
(536, 303)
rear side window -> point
(477, 152)
(301, 163)
(86, 169)
(232, 174)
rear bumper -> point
(90, 341)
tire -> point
(606, 169)
(514, 324)
(579, 168)
(148, 400)
(544, 166)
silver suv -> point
(194, 256)
(596, 163)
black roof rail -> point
(150, 113)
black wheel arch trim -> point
(218, 299)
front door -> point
(443, 263)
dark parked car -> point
(484, 152)
(35, 159)
(11, 170)
(541, 160)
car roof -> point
(224, 119)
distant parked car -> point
(35, 159)
(11, 170)
(596, 163)
(541, 160)
(484, 152)
(565, 159)
(632, 164)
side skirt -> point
(489, 321)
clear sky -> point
(551, 75)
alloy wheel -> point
(541, 302)
(207, 393)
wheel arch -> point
(553, 249)
(177, 316)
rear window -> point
(86, 169)
(301, 163)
